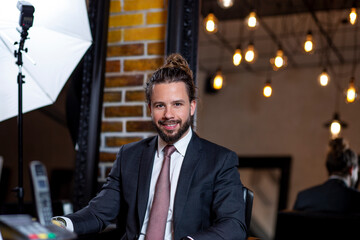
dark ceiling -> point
(282, 23)
(266, 8)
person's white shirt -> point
(176, 161)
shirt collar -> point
(180, 145)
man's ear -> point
(192, 107)
(351, 170)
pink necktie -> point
(161, 202)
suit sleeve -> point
(228, 207)
(102, 209)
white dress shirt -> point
(176, 161)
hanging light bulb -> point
(335, 128)
(324, 78)
(279, 60)
(250, 53)
(267, 90)
(251, 20)
(225, 3)
(211, 23)
(309, 44)
(218, 80)
(335, 125)
(352, 16)
(237, 57)
(351, 92)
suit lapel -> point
(188, 169)
(145, 171)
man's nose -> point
(169, 113)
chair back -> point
(248, 200)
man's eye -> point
(159, 105)
(178, 104)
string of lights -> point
(280, 61)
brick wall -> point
(136, 42)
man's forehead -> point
(175, 91)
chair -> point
(248, 200)
(298, 225)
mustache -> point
(168, 122)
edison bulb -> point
(210, 23)
(324, 78)
(237, 57)
(250, 53)
(252, 21)
(335, 128)
(267, 91)
(279, 61)
(351, 92)
(226, 3)
(309, 44)
(352, 16)
(218, 81)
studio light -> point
(267, 90)
(225, 3)
(324, 78)
(211, 23)
(250, 54)
(309, 43)
(237, 57)
(351, 92)
(352, 16)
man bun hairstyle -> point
(340, 157)
(175, 69)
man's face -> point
(171, 110)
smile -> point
(170, 126)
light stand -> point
(25, 21)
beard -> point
(168, 135)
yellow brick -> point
(157, 48)
(133, 5)
(115, 36)
(115, 6)
(156, 17)
(126, 20)
(143, 64)
(151, 33)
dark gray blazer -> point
(333, 196)
(208, 202)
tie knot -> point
(168, 150)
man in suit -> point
(206, 200)
(337, 194)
